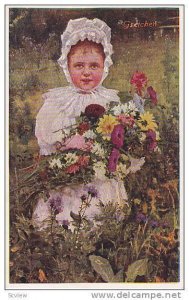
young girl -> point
(86, 58)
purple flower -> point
(65, 222)
(83, 197)
(164, 224)
(141, 218)
(152, 94)
(154, 223)
(117, 135)
(56, 204)
(91, 191)
(151, 140)
(113, 160)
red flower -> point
(72, 169)
(83, 161)
(117, 135)
(83, 127)
(113, 160)
(152, 94)
(94, 111)
(139, 80)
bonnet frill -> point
(62, 105)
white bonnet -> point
(80, 29)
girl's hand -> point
(76, 142)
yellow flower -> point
(147, 122)
(106, 125)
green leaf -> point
(75, 216)
(102, 267)
(139, 267)
(118, 277)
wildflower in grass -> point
(141, 218)
(56, 204)
(91, 190)
(139, 81)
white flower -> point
(136, 164)
(126, 108)
(157, 136)
(121, 170)
(55, 162)
(71, 158)
(157, 149)
(132, 106)
(100, 170)
(98, 150)
(142, 137)
(89, 134)
(117, 110)
(66, 132)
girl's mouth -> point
(86, 80)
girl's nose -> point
(86, 71)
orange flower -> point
(42, 277)
(159, 279)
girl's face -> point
(86, 66)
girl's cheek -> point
(75, 75)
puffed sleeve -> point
(50, 120)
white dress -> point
(59, 110)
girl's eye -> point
(94, 67)
(79, 66)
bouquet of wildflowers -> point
(104, 142)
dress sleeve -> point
(47, 130)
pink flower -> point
(113, 160)
(151, 140)
(126, 120)
(139, 80)
(152, 94)
(117, 135)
